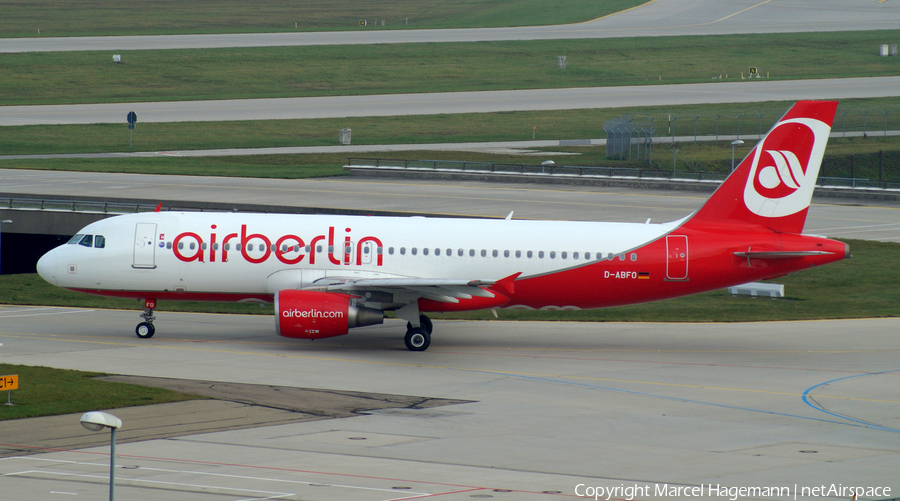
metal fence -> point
(752, 123)
(833, 173)
(629, 139)
(89, 206)
(546, 169)
(862, 170)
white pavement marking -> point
(67, 312)
(122, 479)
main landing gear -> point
(419, 338)
(418, 327)
(145, 329)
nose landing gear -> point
(145, 329)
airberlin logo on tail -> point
(782, 178)
(785, 166)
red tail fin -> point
(774, 184)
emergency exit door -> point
(676, 257)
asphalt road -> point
(657, 18)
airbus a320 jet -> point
(327, 274)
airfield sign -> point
(8, 383)
(132, 119)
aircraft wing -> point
(442, 290)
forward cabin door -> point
(144, 252)
(676, 257)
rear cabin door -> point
(676, 257)
(144, 252)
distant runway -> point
(656, 18)
(553, 406)
(455, 102)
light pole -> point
(736, 142)
(97, 421)
(4, 221)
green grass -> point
(860, 287)
(451, 128)
(564, 124)
(47, 392)
(270, 72)
(154, 17)
(700, 157)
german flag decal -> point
(643, 275)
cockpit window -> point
(88, 240)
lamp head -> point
(96, 421)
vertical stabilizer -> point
(774, 184)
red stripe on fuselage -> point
(182, 296)
(713, 265)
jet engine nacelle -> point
(316, 315)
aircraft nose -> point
(46, 267)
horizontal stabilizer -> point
(780, 254)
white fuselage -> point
(261, 254)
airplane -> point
(327, 274)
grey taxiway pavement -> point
(838, 218)
(454, 102)
(551, 409)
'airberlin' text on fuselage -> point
(289, 249)
(295, 313)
